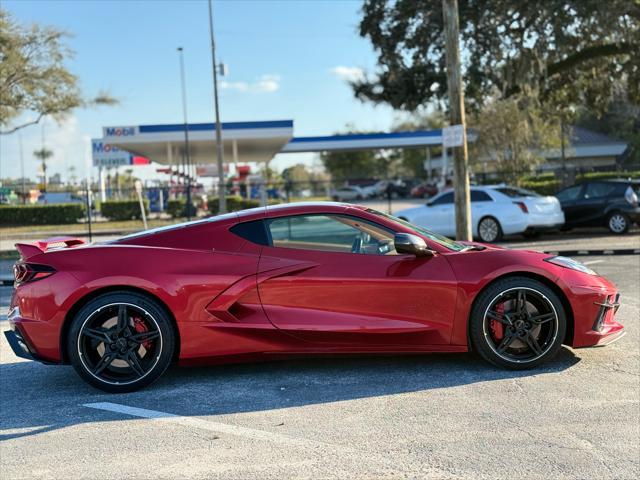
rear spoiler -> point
(28, 250)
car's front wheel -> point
(489, 230)
(618, 223)
(121, 341)
(517, 323)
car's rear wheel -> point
(489, 230)
(618, 222)
(517, 323)
(121, 341)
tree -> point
(512, 132)
(72, 177)
(412, 159)
(567, 51)
(43, 155)
(33, 77)
(620, 119)
(298, 175)
(350, 165)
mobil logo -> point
(100, 147)
(120, 131)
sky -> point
(286, 60)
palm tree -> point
(43, 154)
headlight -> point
(567, 262)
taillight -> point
(29, 272)
(523, 206)
(631, 197)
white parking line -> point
(194, 422)
(592, 262)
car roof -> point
(256, 213)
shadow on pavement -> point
(36, 398)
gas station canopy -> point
(247, 141)
(164, 144)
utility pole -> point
(562, 152)
(457, 117)
(222, 199)
(187, 156)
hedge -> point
(607, 175)
(123, 209)
(233, 204)
(59, 214)
(547, 184)
(178, 208)
(543, 187)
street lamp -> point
(222, 202)
(186, 132)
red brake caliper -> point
(140, 327)
(496, 327)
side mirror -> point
(411, 244)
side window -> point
(330, 233)
(252, 231)
(598, 190)
(569, 194)
(444, 199)
(480, 196)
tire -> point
(507, 336)
(121, 342)
(489, 230)
(335, 198)
(618, 223)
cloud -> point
(348, 74)
(264, 84)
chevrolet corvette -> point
(295, 280)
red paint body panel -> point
(234, 300)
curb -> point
(609, 251)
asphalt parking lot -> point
(433, 416)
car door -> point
(334, 279)
(569, 201)
(591, 205)
(481, 206)
(438, 215)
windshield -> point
(439, 239)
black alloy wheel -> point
(121, 342)
(517, 323)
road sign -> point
(452, 136)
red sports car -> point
(300, 279)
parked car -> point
(53, 198)
(375, 190)
(348, 194)
(424, 190)
(609, 203)
(315, 278)
(496, 210)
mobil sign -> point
(119, 132)
(107, 155)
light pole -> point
(186, 132)
(24, 190)
(222, 200)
